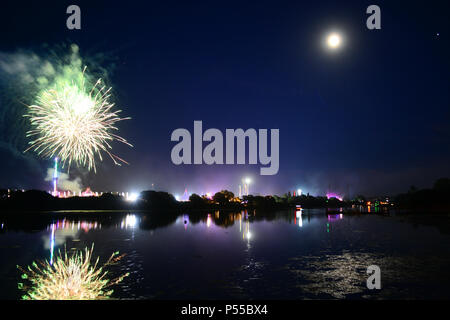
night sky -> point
(372, 118)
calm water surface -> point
(287, 255)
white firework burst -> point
(75, 123)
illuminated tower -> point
(55, 178)
(246, 185)
(185, 195)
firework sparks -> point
(69, 278)
(74, 121)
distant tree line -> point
(159, 201)
(226, 200)
(437, 197)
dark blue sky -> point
(373, 118)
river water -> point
(310, 254)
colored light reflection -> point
(334, 217)
(130, 221)
(64, 224)
(52, 243)
(298, 216)
(246, 234)
(208, 221)
(185, 221)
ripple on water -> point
(338, 276)
(129, 287)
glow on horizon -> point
(133, 196)
(298, 215)
(334, 195)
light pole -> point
(246, 184)
(55, 178)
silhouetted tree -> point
(442, 184)
(158, 200)
(223, 197)
(197, 202)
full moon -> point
(334, 40)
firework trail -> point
(74, 120)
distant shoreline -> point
(20, 202)
(101, 212)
